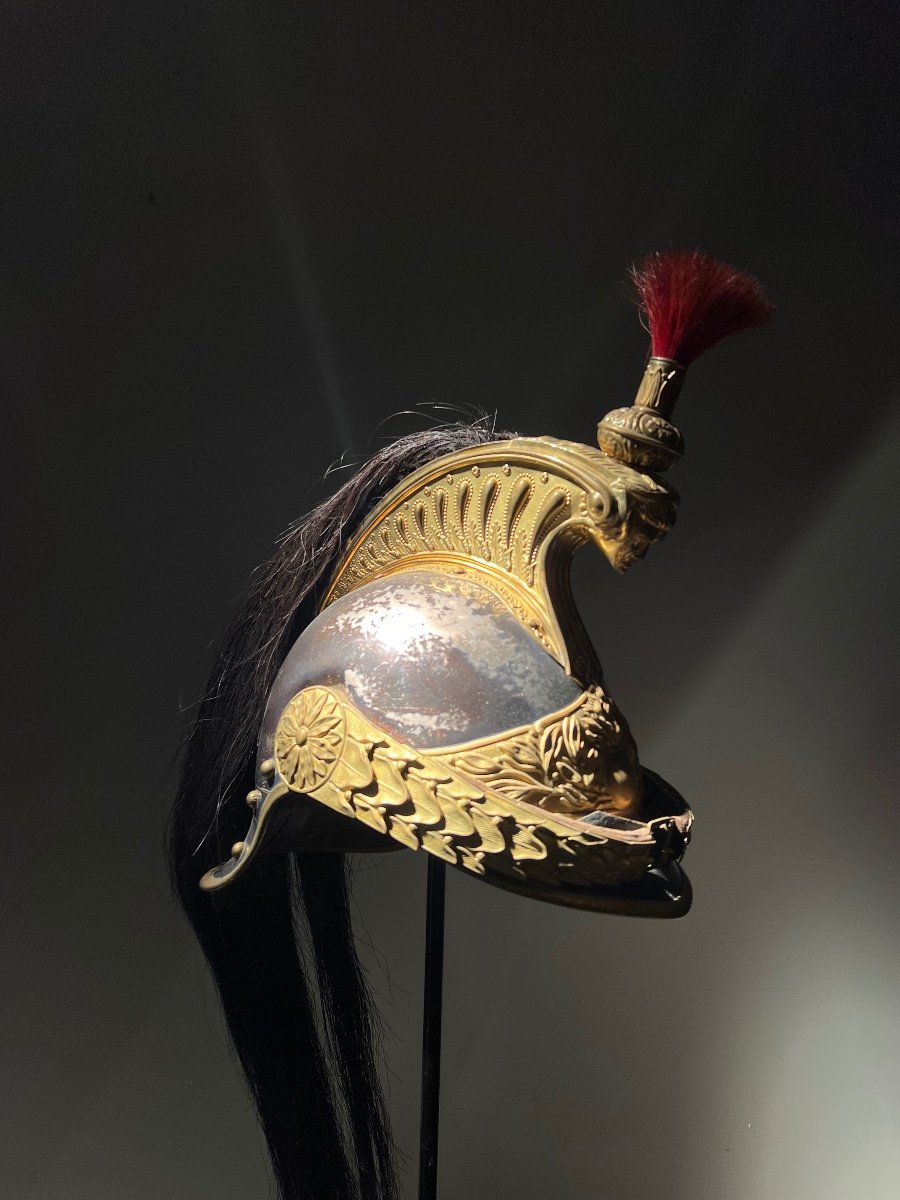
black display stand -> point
(431, 1029)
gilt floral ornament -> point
(570, 754)
(309, 739)
(579, 762)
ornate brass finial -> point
(641, 436)
(690, 302)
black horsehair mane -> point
(307, 1039)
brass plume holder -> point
(642, 435)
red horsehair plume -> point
(692, 301)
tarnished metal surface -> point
(431, 658)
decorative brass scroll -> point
(577, 761)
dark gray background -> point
(236, 238)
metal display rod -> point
(431, 1029)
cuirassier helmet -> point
(446, 697)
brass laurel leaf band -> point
(466, 810)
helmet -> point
(446, 697)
